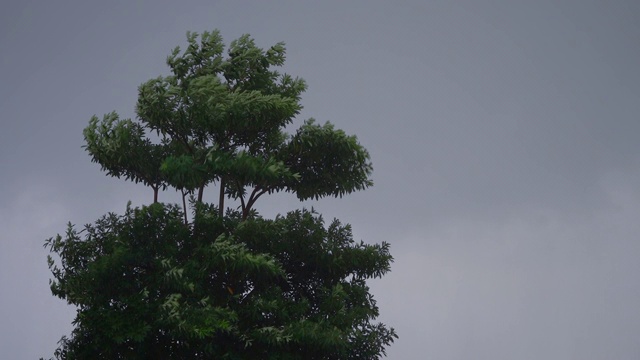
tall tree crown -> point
(222, 119)
(229, 284)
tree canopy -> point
(229, 283)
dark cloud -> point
(503, 136)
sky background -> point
(504, 137)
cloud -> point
(29, 311)
(537, 284)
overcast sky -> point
(504, 137)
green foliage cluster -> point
(228, 284)
(222, 119)
(288, 288)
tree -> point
(229, 283)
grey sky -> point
(504, 138)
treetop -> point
(220, 119)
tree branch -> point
(255, 194)
(242, 204)
(221, 198)
(200, 193)
(184, 206)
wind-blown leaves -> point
(146, 283)
(122, 150)
(228, 284)
(223, 119)
(328, 162)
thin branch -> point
(200, 193)
(241, 195)
(250, 201)
(255, 194)
(173, 134)
(184, 206)
(221, 198)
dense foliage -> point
(228, 283)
